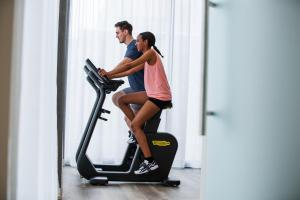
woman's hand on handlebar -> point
(102, 72)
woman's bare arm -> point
(147, 56)
(128, 72)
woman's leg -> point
(132, 98)
(128, 121)
(148, 110)
(116, 96)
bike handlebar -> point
(92, 71)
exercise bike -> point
(163, 146)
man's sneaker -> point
(131, 139)
(146, 167)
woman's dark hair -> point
(151, 40)
(124, 25)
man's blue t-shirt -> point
(136, 80)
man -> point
(136, 80)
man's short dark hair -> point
(124, 25)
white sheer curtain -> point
(177, 26)
(33, 131)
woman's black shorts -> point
(161, 104)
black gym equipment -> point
(163, 146)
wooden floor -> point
(75, 188)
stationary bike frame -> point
(163, 146)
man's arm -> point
(122, 74)
(125, 60)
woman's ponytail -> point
(156, 49)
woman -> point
(156, 97)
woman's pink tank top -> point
(156, 83)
